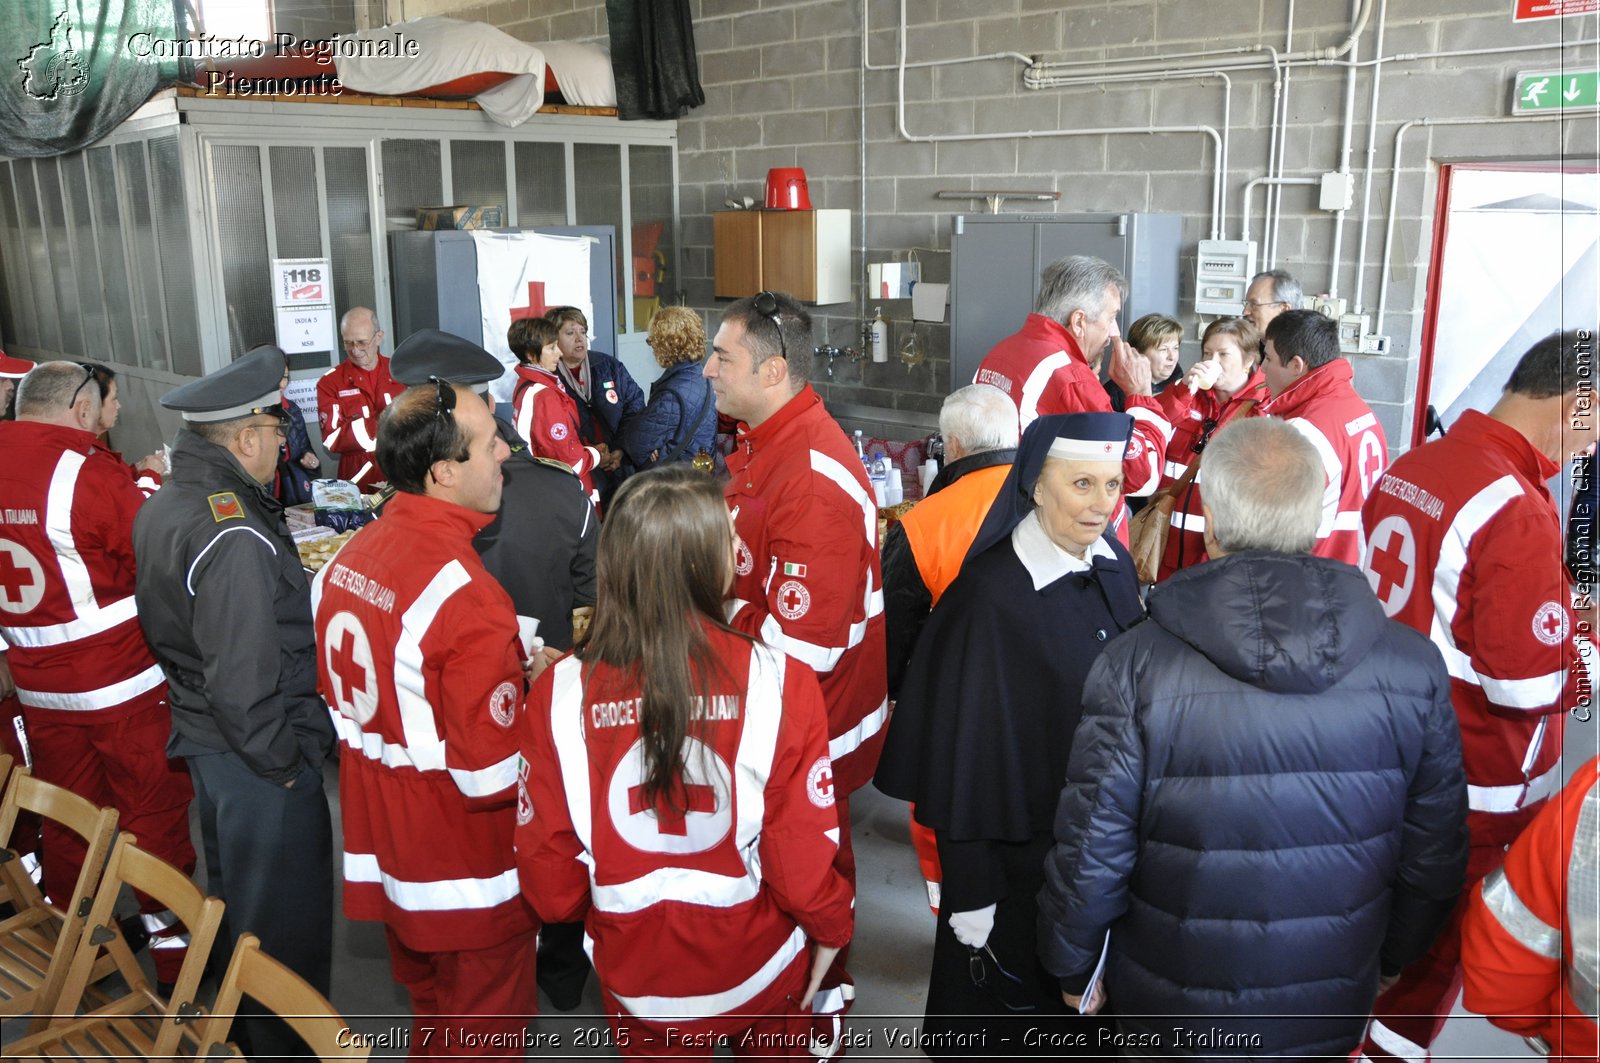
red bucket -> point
(786, 189)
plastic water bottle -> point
(878, 474)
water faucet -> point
(833, 354)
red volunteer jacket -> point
(349, 401)
(1464, 544)
(66, 574)
(808, 580)
(547, 417)
(1324, 406)
(700, 915)
(419, 662)
(1043, 371)
(1194, 415)
(1527, 942)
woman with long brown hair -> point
(678, 794)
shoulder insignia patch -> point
(554, 464)
(225, 505)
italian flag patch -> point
(794, 570)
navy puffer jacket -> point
(1265, 799)
(677, 400)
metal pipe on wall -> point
(1358, 304)
(1275, 167)
(1219, 211)
(1394, 187)
(1345, 136)
(1029, 134)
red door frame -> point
(1430, 306)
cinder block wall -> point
(783, 87)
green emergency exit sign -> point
(1551, 91)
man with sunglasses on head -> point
(94, 704)
(807, 578)
(226, 606)
(421, 667)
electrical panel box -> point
(1223, 269)
(1337, 191)
(996, 260)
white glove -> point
(973, 928)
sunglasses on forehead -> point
(90, 370)
(766, 304)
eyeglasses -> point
(766, 304)
(1251, 304)
(1207, 426)
(89, 371)
(280, 419)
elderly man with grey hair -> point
(1052, 365)
(923, 551)
(1264, 805)
(1270, 294)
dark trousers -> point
(269, 856)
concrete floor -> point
(890, 956)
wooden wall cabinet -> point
(803, 252)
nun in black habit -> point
(981, 734)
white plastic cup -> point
(896, 491)
(528, 635)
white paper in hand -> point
(1094, 979)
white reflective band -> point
(1583, 907)
(188, 579)
(661, 1009)
(1194, 522)
(1525, 928)
(832, 834)
(1540, 692)
(566, 731)
(370, 745)
(1515, 796)
(1396, 1045)
(334, 427)
(363, 437)
(89, 622)
(90, 700)
(1176, 469)
(851, 740)
(1145, 415)
(1335, 473)
(439, 895)
(1033, 387)
(525, 412)
(1347, 520)
(680, 885)
(834, 999)
(1535, 745)
(58, 527)
(417, 722)
(156, 922)
(169, 941)
(361, 472)
(732, 606)
(1469, 519)
(486, 782)
(825, 466)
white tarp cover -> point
(448, 48)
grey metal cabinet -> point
(996, 260)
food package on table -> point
(339, 505)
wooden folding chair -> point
(139, 1024)
(254, 974)
(37, 943)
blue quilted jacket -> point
(1265, 806)
(677, 399)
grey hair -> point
(1285, 289)
(354, 314)
(1077, 282)
(48, 390)
(979, 417)
(1263, 483)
